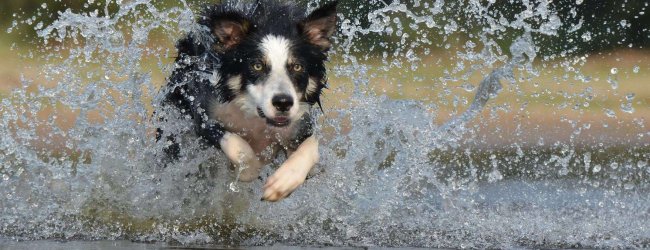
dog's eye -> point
(258, 66)
(297, 67)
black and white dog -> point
(250, 85)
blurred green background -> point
(619, 30)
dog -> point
(248, 81)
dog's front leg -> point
(240, 153)
(293, 172)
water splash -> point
(79, 160)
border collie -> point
(248, 81)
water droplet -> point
(641, 164)
(451, 27)
(233, 187)
(610, 113)
(630, 96)
(627, 108)
(468, 87)
(586, 36)
(597, 169)
(636, 69)
(614, 71)
(495, 176)
(613, 165)
(612, 82)
(578, 2)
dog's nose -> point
(282, 103)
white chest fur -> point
(264, 139)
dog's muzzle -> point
(279, 121)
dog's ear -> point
(320, 25)
(230, 29)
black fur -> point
(204, 52)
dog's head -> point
(273, 59)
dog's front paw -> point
(249, 170)
(282, 184)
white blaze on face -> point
(277, 53)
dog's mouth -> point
(278, 121)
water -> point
(127, 245)
(79, 161)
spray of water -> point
(79, 160)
